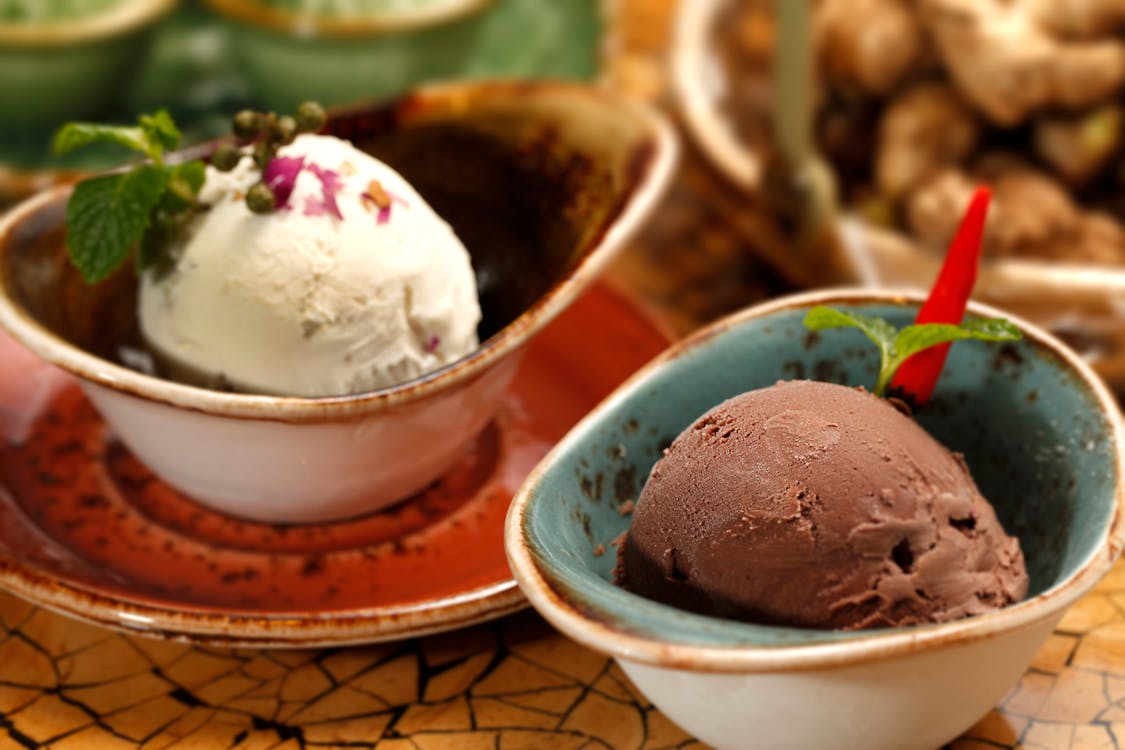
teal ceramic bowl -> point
(1042, 436)
(291, 51)
(57, 69)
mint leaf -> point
(895, 347)
(183, 185)
(160, 131)
(155, 134)
(175, 210)
(154, 243)
(915, 338)
(193, 173)
(106, 217)
(878, 330)
(144, 208)
(78, 134)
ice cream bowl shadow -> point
(542, 182)
(1041, 435)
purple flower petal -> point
(314, 206)
(281, 176)
(384, 215)
(330, 185)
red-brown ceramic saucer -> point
(86, 530)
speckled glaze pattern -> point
(86, 528)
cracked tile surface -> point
(512, 684)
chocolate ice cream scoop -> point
(816, 505)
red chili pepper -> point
(918, 375)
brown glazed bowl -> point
(543, 183)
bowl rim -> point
(125, 16)
(587, 628)
(661, 156)
(688, 65)
(308, 24)
(234, 629)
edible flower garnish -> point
(330, 185)
(382, 199)
(281, 177)
(147, 205)
(378, 195)
(896, 346)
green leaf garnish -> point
(107, 215)
(896, 346)
(185, 181)
(147, 206)
(155, 134)
(160, 130)
(193, 173)
(75, 135)
(876, 329)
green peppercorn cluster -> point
(267, 132)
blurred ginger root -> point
(919, 101)
(1009, 58)
(1081, 148)
(1081, 18)
(1031, 215)
(927, 128)
(871, 44)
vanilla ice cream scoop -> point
(353, 284)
